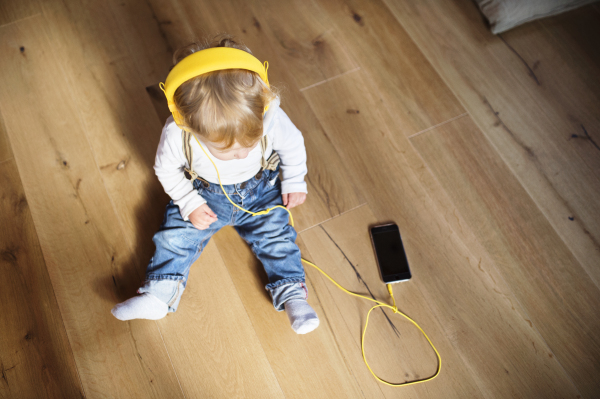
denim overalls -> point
(272, 239)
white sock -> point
(145, 306)
(302, 317)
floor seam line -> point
(331, 218)
(21, 19)
(8, 159)
(438, 125)
(169, 356)
(329, 79)
(262, 347)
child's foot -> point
(145, 306)
(302, 317)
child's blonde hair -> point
(225, 106)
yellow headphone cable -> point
(394, 308)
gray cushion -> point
(506, 14)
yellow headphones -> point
(209, 60)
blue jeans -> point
(272, 239)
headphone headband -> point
(209, 60)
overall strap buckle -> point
(273, 161)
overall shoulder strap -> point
(264, 142)
(189, 154)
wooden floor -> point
(484, 149)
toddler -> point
(225, 111)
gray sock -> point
(145, 306)
(302, 317)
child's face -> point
(234, 152)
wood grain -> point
(106, 31)
(120, 125)
(36, 359)
(526, 122)
(576, 32)
(211, 340)
(401, 78)
(567, 85)
(12, 11)
(308, 48)
(554, 290)
(461, 296)
(142, 32)
(85, 251)
(5, 150)
(308, 365)
(395, 349)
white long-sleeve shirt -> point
(283, 137)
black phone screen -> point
(390, 253)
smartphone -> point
(390, 254)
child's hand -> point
(202, 217)
(293, 199)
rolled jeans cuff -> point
(292, 288)
(168, 291)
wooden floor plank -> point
(524, 121)
(35, 354)
(395, 349)
(403, 78)
(119, 121)
(85, 253)
(5, 150)
(310, 49)
(567, 85)
(142, 32)
(124, 149)
(211, 340)
(12, 11)
(461, 297)
(308, 365)
(330, 317)
(556, 293)
(106, 31)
